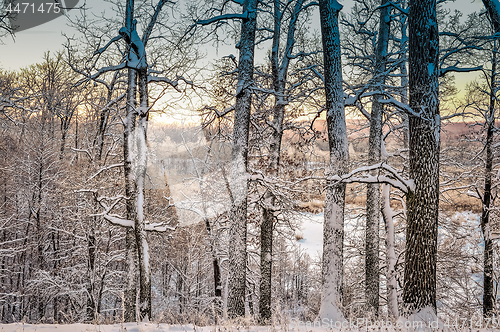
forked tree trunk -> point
(279, 72)
(130, 293)
(333, 231)
(419, 290)
(372, 246)
(239, 159)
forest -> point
(331, 169)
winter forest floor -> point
(151, 327)
(309, 239)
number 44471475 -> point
(26, 7)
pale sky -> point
(30, 45)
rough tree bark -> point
(372, 265)
(130, 293)
(140, 232)
(333, 232)
(419, 290)
(404, 75)
(279, 74)
(488, 283)
(239, 159)
(493, 9)
(137, 63)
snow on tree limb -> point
(105, 169)
(150, 227)
(394, 179)
(136, 58)
(119, 221)
(172, 83)
(100, 72)
(158, 227)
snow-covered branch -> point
(105, 169)
(172, 83)
(119, 221)
(394, 179)
(158, 227)
(100, 72)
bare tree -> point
(419, 291)
(488, 296)
(279, 71)
(374, 155)
(239, 154)
(333, 231)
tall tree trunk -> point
(130, 291)
(419, 290)
(266, 226)
(333, 231)
(488, 296)
(488, 283)
(140, 232)
(239, 159)
(279, 72)
(372, 279)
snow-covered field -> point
(312, 233)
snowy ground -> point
(311, 231)
(144, 327)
